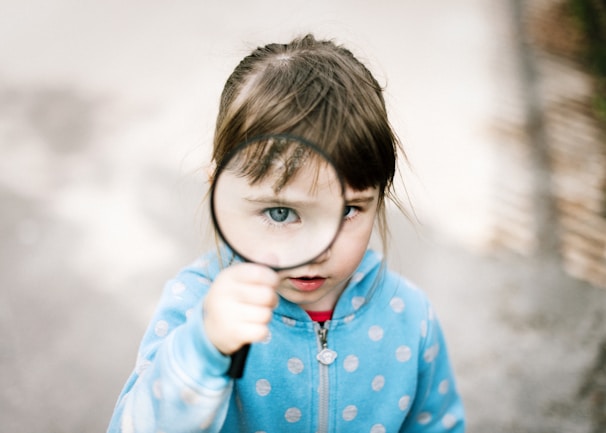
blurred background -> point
(106, 118)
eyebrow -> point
(361, 199)
(276, 201)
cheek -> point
(351, 245)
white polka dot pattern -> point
(142, 365)
(177, 288)
(161, 328)
(157, 389)
(350, 413)
(449, 421)
(375, 333)
(378, 428)
(263, 387)
(431, 353)
(397, 304)
(357, 302)
(204, 281)
(189, 396)
(349, 319)
(357, 277)
(424, 418)
(295, 365)
(378, 382)
(443, 387)
(293, 415)
(288, 321)
(424, 328)
(351, 363)
(404, 402)
(403, 353)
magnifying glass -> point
(276, 200)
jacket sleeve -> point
(179, 383)
(437, 406)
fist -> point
(239, 305)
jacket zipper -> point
(325, 358)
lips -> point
(307, 284)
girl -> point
(360, 349)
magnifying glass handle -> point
(238, 359)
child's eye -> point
(281, 215)
(350, 212)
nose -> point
(323, 257)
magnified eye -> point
(281, 215)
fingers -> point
(253, 273)
(252, 314)
(250, 284)
(261, 296)
(239, 306)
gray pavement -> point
(106, 112)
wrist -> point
(197, 355)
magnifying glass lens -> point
(278, 201)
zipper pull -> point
(326, 356)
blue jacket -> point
(380, 365)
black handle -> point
(238, 360)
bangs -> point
(278, 157)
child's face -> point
(318, 285)
(282, 226)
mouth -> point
(307, 284)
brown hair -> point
(317, 90)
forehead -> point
(280, 160)
(306, 185)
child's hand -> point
(239, 306)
